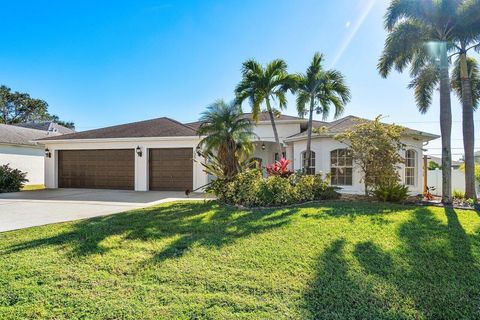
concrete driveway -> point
(34, 208)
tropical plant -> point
(374, 147)
(263, 85)
(319, 89)
(279, 168)
(227, 134)
(419, 35)
(466, 85)
(391, 192)
(432, 165)
(11, 180)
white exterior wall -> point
(264, 130)
(26, 159)
(141, 163)
(323, 146)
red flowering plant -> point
(279, 168)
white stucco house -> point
(160, 154)
(19, 149)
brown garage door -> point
(171, 169)
(96, 169)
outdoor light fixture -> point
(48, 154)
(139, 151)
(198, 150)
(263, 146)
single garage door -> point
(171, 169)
(96, 169)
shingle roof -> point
(21, 136)
(46, 126)
(345, 123)
(161, 127)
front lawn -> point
(337, 260)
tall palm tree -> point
(467, 38)
(412, 25)
(320, 89)
(263, 85)
(228, 134)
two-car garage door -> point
(169, 169)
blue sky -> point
(101, 63)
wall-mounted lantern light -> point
(139, 151)
(198, 150)
(263, 146)
(48, 154)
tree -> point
(320, 89)
(263, 85)
(420, 33)
(432, 165)
(375, 150)
(228, 134)
(17, 107)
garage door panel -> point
(171, 169)
(96, 169)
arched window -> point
(341, 171)
(310, 168)
(410, 167)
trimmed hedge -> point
(251, 189)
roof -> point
(161, 127)
(265, 116)
(15, 135)
(46, 126)
(439, 161)
(345, 123)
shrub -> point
(458, 195)
(251, 189)
(279, 168)
(11, 180)
(393, 192)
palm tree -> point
(419, 35)
(467, 38)
(228, 134)
(263, 85)
(320, 89)
(466, 85)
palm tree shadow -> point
(336, 294)
(440, 274)
(205, 224)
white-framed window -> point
(310, 168)
(341, 167)
(275, 156)
(410, 167)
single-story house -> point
(19, 148)
(160, 154)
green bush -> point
(11, 180)
(458, 195)
(251, 189)
(393, 192)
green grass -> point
(32, 187)
(194, 260)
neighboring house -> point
(159, 154)
(46, 126)
(19, 149)
(455, 164)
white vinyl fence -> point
(434, 178)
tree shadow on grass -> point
(205, 224)
(438, 271)
(337, 294)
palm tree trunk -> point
(274, 127)
(445, 126)
(468, 129)
(306, 165)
